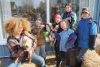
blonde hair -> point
(67, 23)
(13, 24)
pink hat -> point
(57, 15)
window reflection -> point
(58, 6)
(30, 9)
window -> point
(29, 9)
(58, 5)
(32, 9)
(24, 8)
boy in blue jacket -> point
(86, 31)
(65, 40)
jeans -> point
(35, 59)
(11, 63)
(41, 51)
(48, 47)
(38, 60)
(81, 54)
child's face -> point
(38, 23)
(63, 25)
(67, 8)
(57, 20)
(84, 15)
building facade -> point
(97, 13)
(40, 8)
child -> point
(55, 25)
(17, 29)
(69, 15)
(38, 31)
(86, 31)
(54, 28)
(64, 41)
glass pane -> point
(58, 5)
(30, 9)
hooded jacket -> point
(86, 29)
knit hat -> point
(57, 15)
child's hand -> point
(56, 28)
(35, 41)
(42, 26)
(50, 24)
(15, 54)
